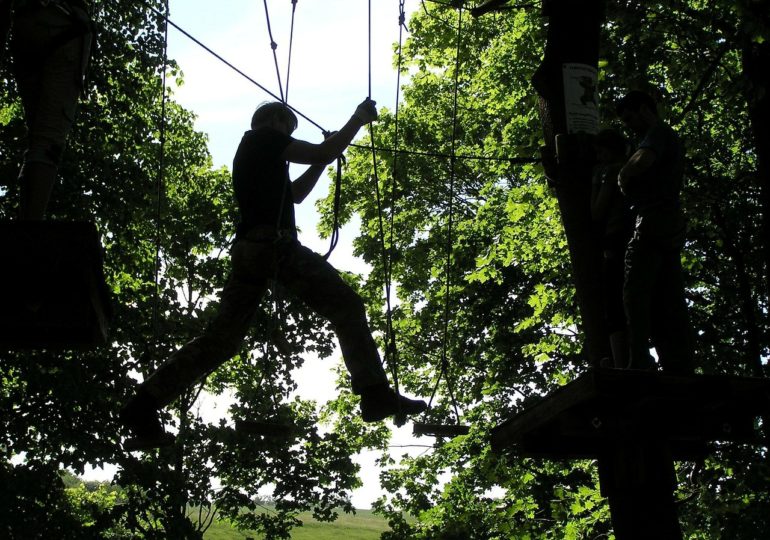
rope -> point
(513, 160)
(335, 235)
(160, 186)
(392, 350)
(291, 46)
(447, 295)
(231, 66)
(390, 342)
(274, 46)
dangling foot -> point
(379, 402)
(140, 416)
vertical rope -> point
(392, 350)
(291, 47)
(391, 358)
(160, 185)
(448, 269)
(274, 46)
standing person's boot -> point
(381, 401)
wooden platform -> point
(603, 406)
(53, 293)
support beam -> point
(635, 424)
(53, 288)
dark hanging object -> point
(440, 430)
(53, 289)
(265, 429)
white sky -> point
(329, 77)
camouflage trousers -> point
(51, 50)
(303, 273)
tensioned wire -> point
(402, 151)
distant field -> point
(362, 526)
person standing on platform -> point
(653, 290)
(612, 216)
(51, 48)
(266, 247)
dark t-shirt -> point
(261, 181)
(662, 182)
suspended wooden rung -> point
(265, 429)
(53, 289)
(440, 430)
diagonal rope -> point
(404, 151)
(240, 72)
(274, 46)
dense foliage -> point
(506, 290)
(474, 248)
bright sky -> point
(329, 77)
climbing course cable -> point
(394, 172)
(231, 66)
(402, 151)
(274, 46)
(391, 348)
(160, 181)
(291, 47)
(448, 270)
(391, 358)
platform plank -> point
(580, 419)
(52, 288)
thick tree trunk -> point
(755, 60)
(573, 40)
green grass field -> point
(362, 526)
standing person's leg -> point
(251, 264)
(671, 331)
(320, 286)
(642, 266)
(613, 276)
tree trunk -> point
(573, 39)
(755, 60)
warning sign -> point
(581, 98)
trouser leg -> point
(48, 75)
(642, 266)
(671, 332)
(36, 181)
(613, 277)
(319, 285)
(220, 342)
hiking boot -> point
(140, 416)
(379, 402)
